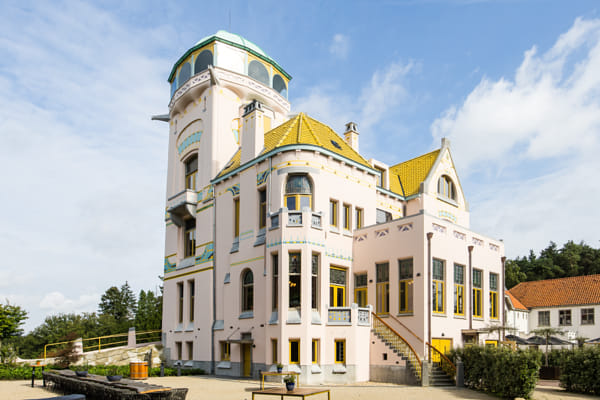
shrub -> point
(581, 370)
(500, 371)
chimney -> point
(253, 133)
(351, 135)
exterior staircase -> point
(437, 377)
(398, 345)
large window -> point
(191, 169)
(337, 287)
(340, 351)
(446, 187)
(383, 288)
(587, 316)
(564, 317)
(333, 213)
(493, 295)
(180, 303)
(294, 351)
(275, 289)
(405, 273)
(262, 208)
(192, 290)
(294, 282)
(477, 286)
(258, 71)
(314, 282)
(459, 289)
(298, 192)
(543, 318)
(189, 239)
(203, 60)
(358, 217)
(437, 286)
(247, 291)
(360, 289)
(382, 216)
(347, 217)
(236, 217)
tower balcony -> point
(182, 205)
(293, 218)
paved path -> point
(202, 388)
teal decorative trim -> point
(206, 193)
(235, 189)
(328, 252)
(246, 235)
(204, 208)
(207, 255)
(168, 266)
(446, 215)
(193, 138)
(261, 177)
(331, 253)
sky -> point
(514, 85)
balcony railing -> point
(343, 316)
(294, 218)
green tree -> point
(11, 319)
(120, 304)
(149, 311)
(513, 274)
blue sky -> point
(515, 85)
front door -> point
(246, 359)
(443, 345)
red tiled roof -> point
(515, 302)
(576, 290)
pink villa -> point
(284, 245)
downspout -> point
(470, 310)
(429, 309)
(214, 285)
(503, 260)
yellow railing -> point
(398, 343)
(438, 357)
(98, 344)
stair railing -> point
(447, 366)
(379, 325)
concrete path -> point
(202, 388)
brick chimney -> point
(253, 133)
(351, 135)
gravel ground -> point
(202, 387)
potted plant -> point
(290, 382)
(279, 367)
(83, 372)
(112, 376)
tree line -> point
(118, 310)
(573, 259)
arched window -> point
(446, 187)
(298, 192)
(279, 85)
(258, 71)
(173, 86)
(184, 73)
(247, 291)
(203, 60)
(191, 168)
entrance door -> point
(443, 345)
(246, 359)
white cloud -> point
(82, 163)
(340, 45)
(536, 138)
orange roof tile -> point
(515, 302)
(577, 290)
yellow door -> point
(443, 345)
(491, 343)
(247, 362)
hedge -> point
(500, 371)
(580, 370)
(8, 372)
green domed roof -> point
(231, 39)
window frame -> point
(180, 301)
(236, 217)
(358, 216)
(438, 287)
(262, 208)
(297, 342)
(361, 290)
(446, 187)
(297, 196)
(459, 290)
(190, 176)
(247, 291)
(192, 294)
(477, 308)
(493, 296)
(335, 288)
(405, 287)
(315, 351)
(337, 344)
(225, 351)
(333, 213)
(347, 216)
(189, 238)
(275, 281)
(585, 316)
(296, 275)
(546, 318)
(382, 289)
(274, 355)
(565, 317)
(314, 284)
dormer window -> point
(298, 192)
(446, 187)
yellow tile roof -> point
(406, 177)
(302, 129)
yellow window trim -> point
(477, 312)
(494, 304)
(343, 341)
(438, 282)
(407, 282)
(315, 351)
(359, 290)
(457, 286)
(290, 351)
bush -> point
(581, 370)
(500, 371)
